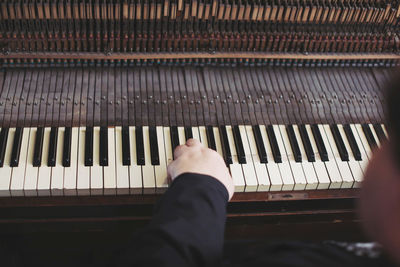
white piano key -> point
(343, 166)
(135, 171)
(57, 172)
(96, 171)
(260, 168)
(235, 167)
(70, 173)
(354, 165)
(272, 167)
(44, 174)
(149, 181)
(384, 130)
(82, 181)
(161, 170)
(196, 133)
(6, 170)
(371, 126)
(109, 179)
(31, 173)
(248, 168)
(364, 141)
(181, 135)
(203, 136)
(308, 168)
(122, 171)
(364, 155)
(319, 166)
(296, 167)
(331, 166)
(284, 167)
(18, 173)
(218, 143)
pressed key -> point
(319, 142)
(306, 143)
(211, 138)
(226, 151)
(379, 132)
(293, 143)
(274, 144)
(67, 147)
(51, 159)
(368, 134)
(126, 154)
(89, 146)
(344, 155)
(16, 149)
(174, 138)
(139, 145)
(260, 144)
(188, 133)
(103, 160)
(3, 144)
(352, 142)
(154, 153)
(37, 151)
(239, 145)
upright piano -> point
(96, 94)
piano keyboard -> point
(133, 160)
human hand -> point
(194, 157)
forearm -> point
(187, 227)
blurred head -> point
(380, 193)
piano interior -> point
(96, 94)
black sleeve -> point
(187, 228)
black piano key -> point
(103, 146)
(126, 153)
(379, 132)
(89, 146)
(139, 145)
(320, 142)
(262, 154)
(3, 144)
(274, 144)
(211, 138)
(154, 153)
(344, 154)
(352, 142)
(370, 137)
(37, 151)
(306, 143)
(239, 145)
(51, 160)
(188, 133)
(16, 149)
(226, 151)
(293, 143)
(66, 160)
(174, 138)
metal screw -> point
(150, 96)
(103, 97)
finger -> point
(193, 142)
(179, 150)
